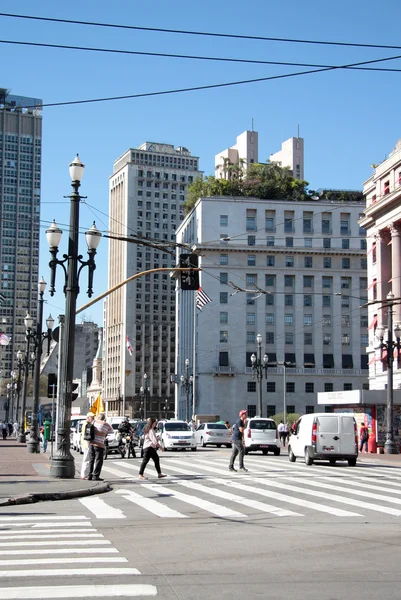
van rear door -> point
(347, 428)
(328, 437)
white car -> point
(76, 433)
(176, 434)
(261, 434)
(213, 433)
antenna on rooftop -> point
(298, 130)
(252, 124)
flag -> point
(202, 299)
(129, 346)
(4, 339)
(97, 407)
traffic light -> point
(189, 279)
(52, 385)
(74, 394)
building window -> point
(344, 320)
(308, 262)
(308, 281)
(289, 280)
(308, 339)
(270, 224)
(270, 240)
(251, 260)
(270, 260)
(270, 319)
(289, 338)
(309, 410)
(270, 337)
(363, 244)
(270, 280)
(250, 223)
(289, 242)
(364, 339)
(308, 242)
(345, 339)
(345, 244)
(364, 263)
(326, 226)
(223, 220)
(288, 320)
(269, 300)
(386, 188)
(347, 387)
(223, 337)
(326, 243)
(250, 337)
(307, 225)
(223, 297)
(327, 340)
(223, 317)
(289, 261)
(344, 227)
(290, 388)
(250, 279)
(271, 387)
(250, 299)
(328, 387)
(250, 319)
(251, 410)
(307, 300)
(326, 320)
(251, 386)
(224, 278)
(251, 240)
(288, 226)
(326, 282)
(309, 387)
(346, 263)
(326, 262)
(224, 259)
(288, 300)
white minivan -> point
(324, 436)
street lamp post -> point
(33, 443)
(258, 367)
(27, 363)
(187, 383)
(62, 462)
(389, 346)
(284, 365)
(19, 382)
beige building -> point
(291, 155)
(147, 190)
(382, 221)
(245, 152)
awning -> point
(373, 324)
(272, 362)
(328, 361)
(309, 361)
(290, 359)
(347, 361)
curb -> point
(32, 498)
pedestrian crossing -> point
(202, 486)
(31, 544)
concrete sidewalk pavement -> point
(25, 478)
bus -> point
(44, 414)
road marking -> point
(366, 485)
(78, 591)
(215, 509)
(341, 499)
(62, 551)
(61, 561)
(279, 512)
(56, 543)
(36, 531)
(32, 527)
(117, 472)
(64, 572)
(100, 509)
(44, 518)
(44, 536)
(151, 505)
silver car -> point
(215, 434)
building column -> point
(383, 271)
(395, 230)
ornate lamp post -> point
(33, 443)
(27, 364)
(187, 383)
(258, 367)
(389, 345)
(20, 357)
(62, 462)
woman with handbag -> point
(87, 435)
(150, 446)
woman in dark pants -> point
(150, 446)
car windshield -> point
(262, 424)
(176, 427)
(215, 426)
(115, 425)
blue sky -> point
(349, 119)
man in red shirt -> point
(96, 446)
(363, 438)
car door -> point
(347, 434)
(198, 432)
(328, 437)
(296, 441)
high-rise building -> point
(147, 190)
(243, 153)
(20, 173)
(291, 155)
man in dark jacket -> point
(238, 442)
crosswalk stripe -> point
(367, 485)
(92, 571)
(150, 504)
(78, 591)
(291, 500)
(53, 551)
(279, 512)
(33, 527)
(117, 472)
(341, 499)
(102, 510)
(44, 518)
(56, 543)
(220, 511)
(36, 531)
(61, 561)
(44, 536)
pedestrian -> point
(96, 447)
(238, 442)
(45, 434)
(192, 425)
(9, 429)
(4, 429)
(280, 430)
(15, 430)
(150, 446)
(363, 438)
(285, 433)
(227, 424)
(87, 435)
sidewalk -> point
(25, 478)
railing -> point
(314, 371)
(225, 370)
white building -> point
(291, 155)
(244, 152)
(382, 221)
(306, 262)
(147, 189)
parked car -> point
(176, 434)
(324, 436)
(76, 433)
(215, 434)
(115, 441)
(261, 434)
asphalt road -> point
(280, 531)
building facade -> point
(382, 221)
(20, 183)
(147, 190)
(295, 272)
(291, 155)
(244, 152)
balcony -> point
(224, 371)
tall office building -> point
(147, 190)
(20, 172)
(291, 155)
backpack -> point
(89, 435)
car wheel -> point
(218, 445)
(246, 451)
(308, 458)
(203, 444)
(291, 455)
(332, 461)
(351, 462)
(277, 452)
(264, 452)
(194, 449)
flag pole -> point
(194, 361)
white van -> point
(324, 436)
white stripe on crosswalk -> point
(34, 527)
(102, 510)
(36, 531)
(117, 472)
(44, 536)
(53, 551)
(279, 512)
(215, 509)
(44, 518)
(14, 562)
(366, 485)
(150, 505)
(335, 497)
(92, 571)
(78, 591)
(56, 543)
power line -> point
(195, 57)
(212, 86)
(202, 33)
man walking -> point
(238, 443)
(96, 447)
(363, 438)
